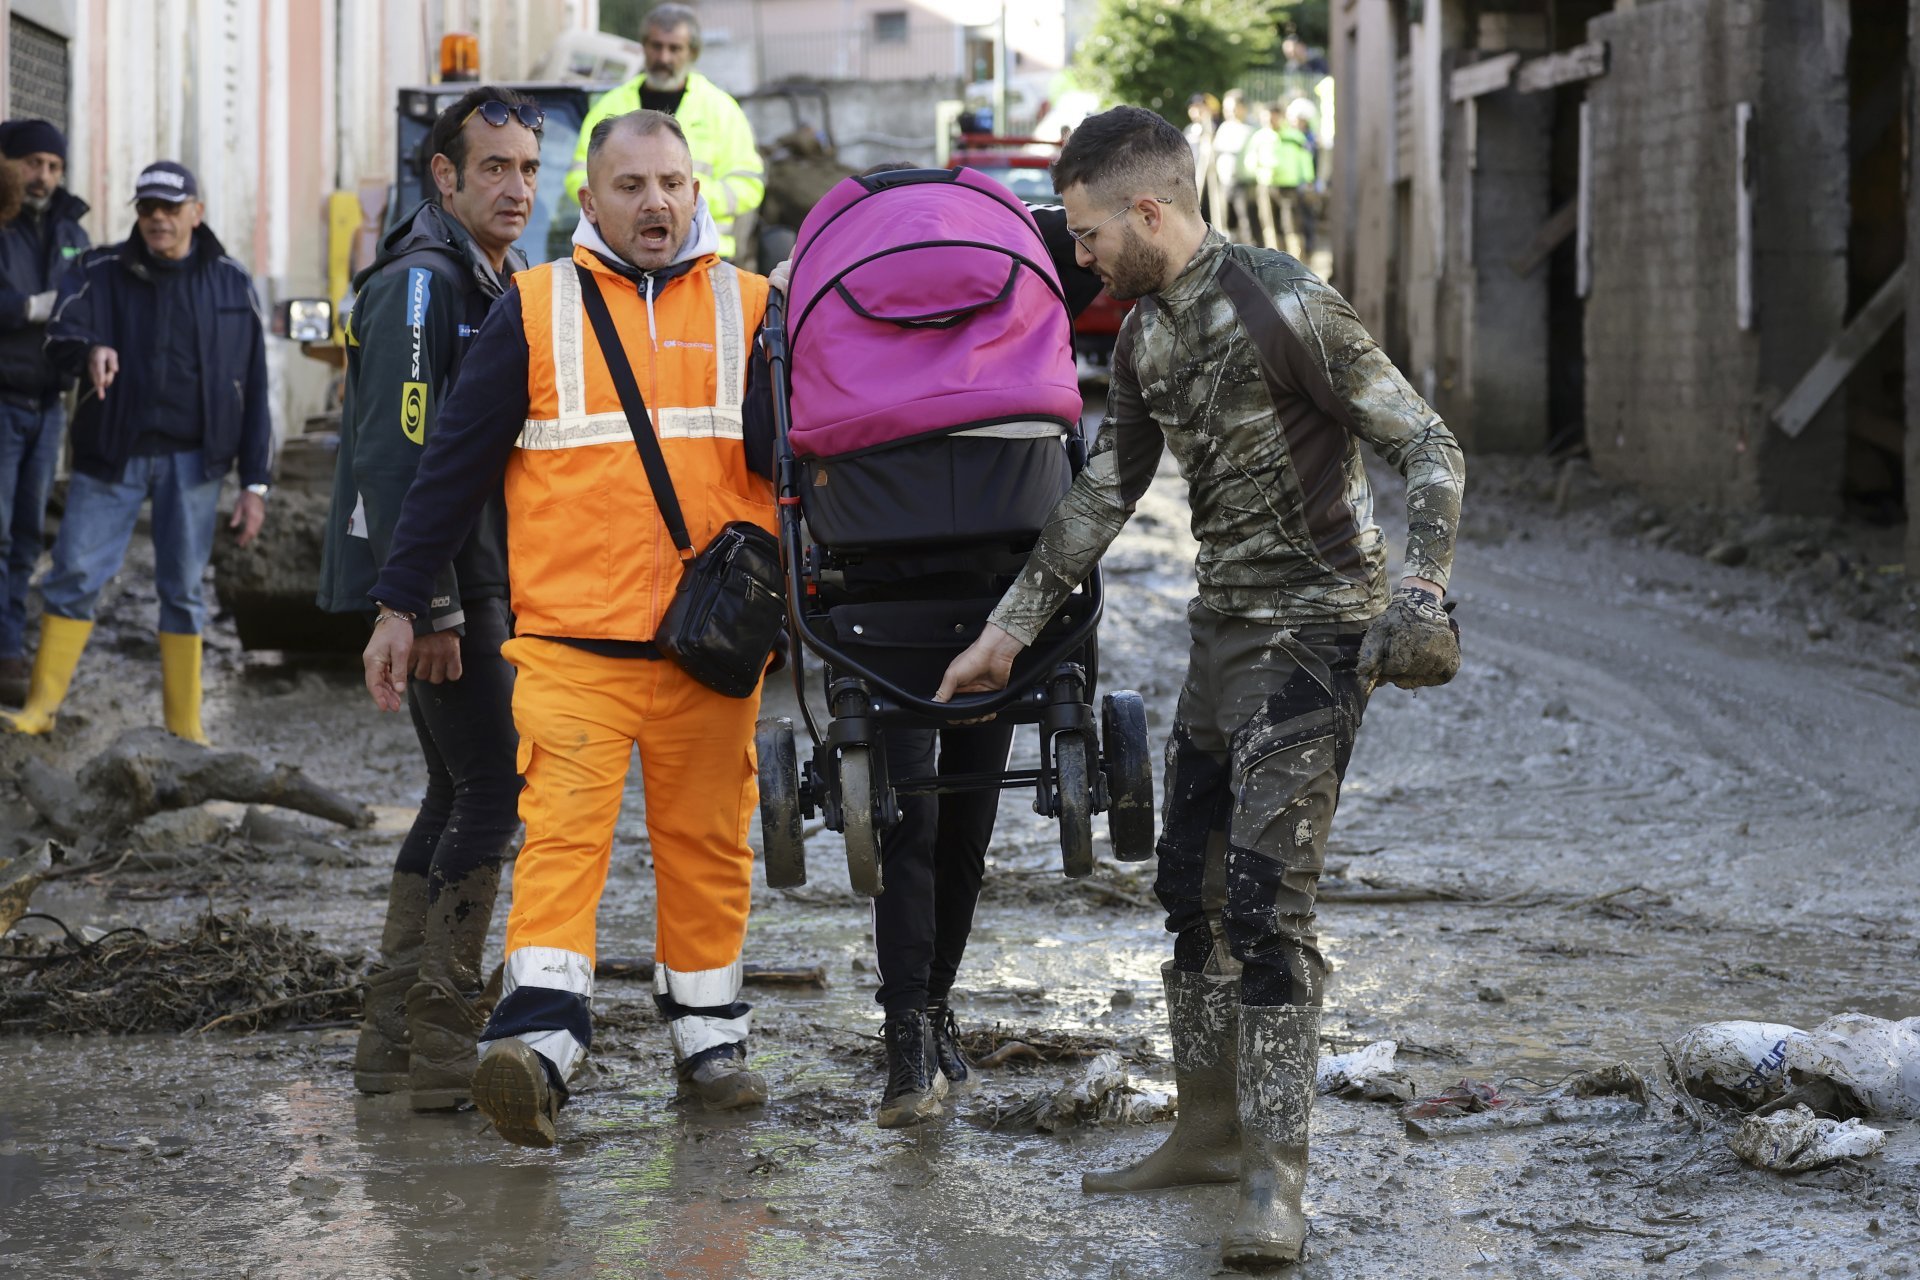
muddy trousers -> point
(467, 738)
(1261, 738)
(932, 863)
(580, 716)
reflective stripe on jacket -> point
(588, 552)
(731, 174)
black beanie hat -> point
(24, 137)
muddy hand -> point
(1413, 644)
(249, 513)
(436, 658)
(386, 660)
(984, 667)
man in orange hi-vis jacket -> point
(591, 569)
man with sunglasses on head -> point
(415, 312)
(164, 332)
(1264, 383)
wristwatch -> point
(259, 490)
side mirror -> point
(304, 320)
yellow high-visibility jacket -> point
(726, 162)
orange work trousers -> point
(580, 715)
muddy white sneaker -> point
(511, 1088)
(720, 1080)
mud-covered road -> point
(1663, 802)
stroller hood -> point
(924, 302)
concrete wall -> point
(1677, 393)
(273, 104)
(1504, 330)
(1913, 293)
(872, 121)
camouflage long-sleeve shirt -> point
(1263, 381)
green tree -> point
(1158, 53)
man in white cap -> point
(164, 332)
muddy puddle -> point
(1645, 812)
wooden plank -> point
(1582, 62)
(1489, 75)
(1846, 351)
(1558, 226)
(1583, 202)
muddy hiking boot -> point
(914, 1084)
(446, 1008)
(515, 1088)
(1203, 1015)
(720, 1080)
(947, 1055)
(380, 1056)
(1279, 1056)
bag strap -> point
(638, 420)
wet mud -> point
(1650, 800)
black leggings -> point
(467, 737)
(933, 862)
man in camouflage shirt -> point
(1264, 383)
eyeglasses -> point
(1085, 238)
(497, 113)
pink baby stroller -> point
(931, 425)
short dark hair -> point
(1130, 148)
(642, 122)
(886, 166)
(449, 135)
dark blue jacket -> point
(36, 251)
(111, 301)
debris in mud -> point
(228, 971)
(1000, 1045)
(1850, 1065)
(1103, 1094)
(1607, 1096)
(1796, 1140)
(149, 771)
(19, 877)
(1366, 1074)
(640, 968)
(1736, 1064)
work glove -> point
(40, 306)
(1413, 644)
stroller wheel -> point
(785, 853)
(1128, 763)
(856, 808)
(1074, 779)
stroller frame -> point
(1084, 769)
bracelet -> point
(386, 612)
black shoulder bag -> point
(726, 614)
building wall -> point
(1677, 392)
(273, 104)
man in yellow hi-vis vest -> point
(726, 162)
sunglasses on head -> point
(497, 113)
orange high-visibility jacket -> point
(588, 554)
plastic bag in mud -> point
(1741, 1064)
(1876, 1061)
(1365, 1073)
(1103, 1094)
(1796, 1140)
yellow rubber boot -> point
(180, 685)
(62, 640)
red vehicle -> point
(1022, 164)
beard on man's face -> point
(1136, 270)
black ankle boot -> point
(914, 1085)
(947, 1057)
